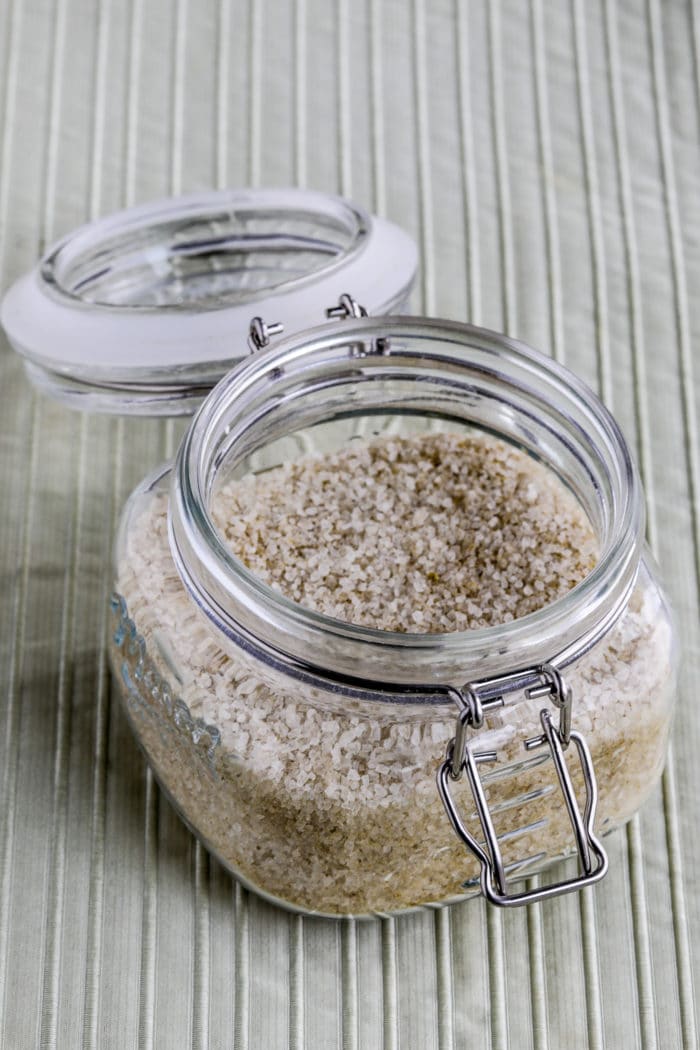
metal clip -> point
(461, 756)
(559, 692)
(471, 715)
(259, 333)
(346, 307)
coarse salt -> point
(335, 809)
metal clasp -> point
(346, 307)
(259, 333)
(462, 756)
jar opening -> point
(216, 252)
(333, 379)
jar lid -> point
(143, 311)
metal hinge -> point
(259, 333)
(463, 757)
(347, 308)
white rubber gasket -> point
(64, 334)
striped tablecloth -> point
(546, 157)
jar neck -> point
(398, 366)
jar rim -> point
(311, 643)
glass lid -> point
(145, 310)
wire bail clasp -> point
(559, 692)
(462, 757)
(471, 716)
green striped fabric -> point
(546, 156)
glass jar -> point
(304, 750)
(334, 768)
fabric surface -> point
(546, 157)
